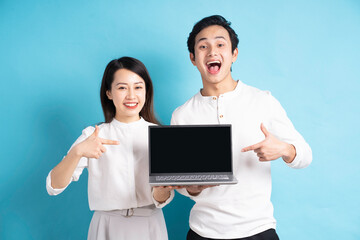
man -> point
(261, 133)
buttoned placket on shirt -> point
(221, 115)
(219, 103)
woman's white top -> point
(119, 179)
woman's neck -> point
(127, 119)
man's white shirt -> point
(244, 209)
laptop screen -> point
(190, 149)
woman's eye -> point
(122, 88)
(139, 87)
(221, 44)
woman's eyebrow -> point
(120, 83)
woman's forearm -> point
(62, 173)
(161, 194)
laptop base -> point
(154, 182)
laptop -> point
(190, 155)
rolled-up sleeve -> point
(53, 191)
(161, 205)
(83, 163)
(281, 127)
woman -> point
(118, 187)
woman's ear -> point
(108, 94)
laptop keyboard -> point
(192, 178)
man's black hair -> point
(210, 21)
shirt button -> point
(214, 98)
(221, 116)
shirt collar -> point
(131, 124)
(229, 94)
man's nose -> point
(212, 51)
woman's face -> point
(128, 92)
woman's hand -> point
(162, 193)
(93, 146)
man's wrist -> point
(290, 153)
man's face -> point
(213, 55)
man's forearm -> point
(290, 154)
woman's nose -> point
(130, 94)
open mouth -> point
(213, 67)
(131, 105)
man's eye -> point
(221, 44)
(202, 47)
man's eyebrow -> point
(201, 39)
(217, 37)
(221, 37)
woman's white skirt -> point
(145, 223)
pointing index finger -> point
(109, 142)
(252, 147)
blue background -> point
(52, 57)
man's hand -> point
(195, 190)
(272, 148)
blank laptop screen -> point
(190, 149)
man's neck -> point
(217, 89)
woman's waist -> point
(139, 211)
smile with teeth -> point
(131, 105)
(213, 67)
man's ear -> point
(108, 94)
(192, 58)
(235, 55)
